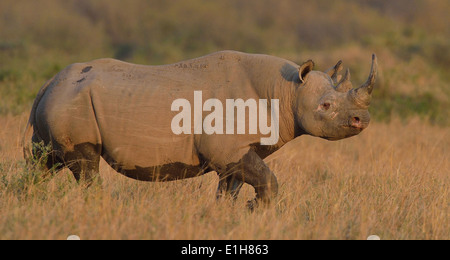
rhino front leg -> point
(252, 170)
(229, 185)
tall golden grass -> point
(391, 181)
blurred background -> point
(411, 38)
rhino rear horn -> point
(345, 84)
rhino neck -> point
(274, 78)
(285, 92)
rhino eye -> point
(326, 106)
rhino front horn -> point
(362, 95)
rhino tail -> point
(27, 151)
(31, 126)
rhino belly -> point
(152, 158)
(142, 146)
(163, 173)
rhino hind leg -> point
(84, 163)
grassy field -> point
(392, 181)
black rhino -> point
(122, 112)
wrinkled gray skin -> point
(122, 112)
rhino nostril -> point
(356, 123)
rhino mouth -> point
(357, 128)
(331, 138)
(349, 131)
(358, 125)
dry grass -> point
(392, 181)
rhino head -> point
(328, 106)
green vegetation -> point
(30, 175)
(411, 37)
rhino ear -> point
(306, 68)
